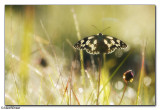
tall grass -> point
(25, 53)
(141, 75)
(115, 71)
(79, 37)
(67, 80)
(104, 77)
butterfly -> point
(99, 44)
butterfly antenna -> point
(95, 27)
(105, 29)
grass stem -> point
(141, 75)
(115, 71)
(123, 93)
(99, 78)
(81, 52)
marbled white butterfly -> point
(98, 44)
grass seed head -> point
(128, 76)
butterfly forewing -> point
(98, 44)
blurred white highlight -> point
(119, 85)
(147, 80)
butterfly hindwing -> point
(97, 44)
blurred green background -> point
(43, 68)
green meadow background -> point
(43, 68)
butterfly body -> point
(98, 44)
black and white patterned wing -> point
(85, 43)
(98, 44)
(113, 43)
(81, 44)
(89, 44)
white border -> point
(82, 2)
(79, 2)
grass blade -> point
(81, 52)
(115, 71)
